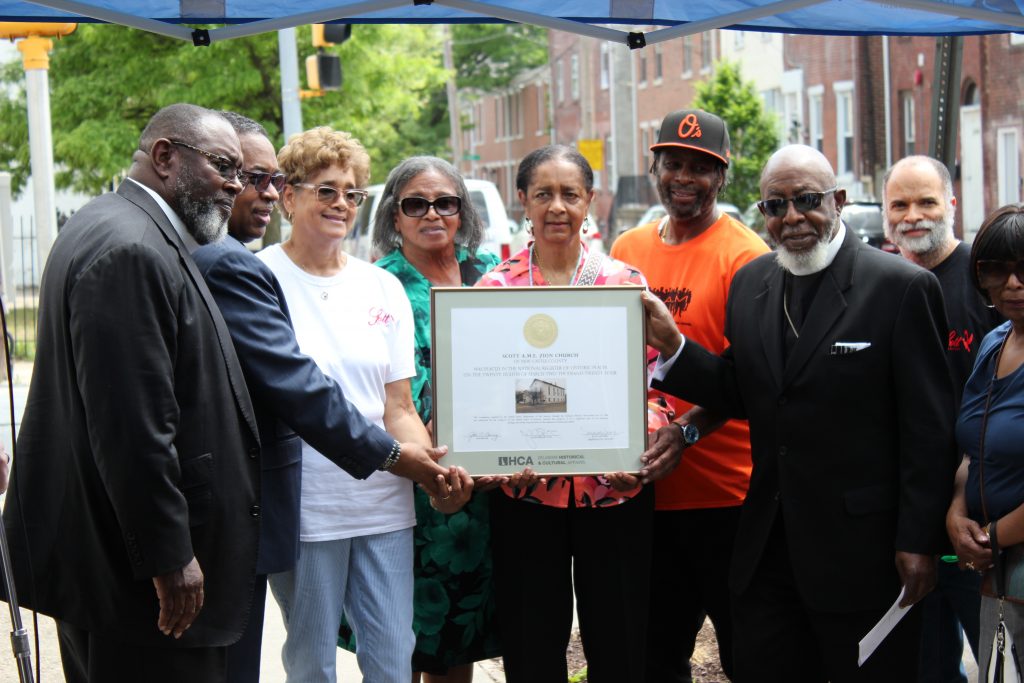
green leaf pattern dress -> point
(453, 599)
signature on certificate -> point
(537, 434)
(603, 435)
(482, 436)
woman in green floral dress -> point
(428, 231)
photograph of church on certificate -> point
(540, 395)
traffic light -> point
(323, 69)
(326, 35)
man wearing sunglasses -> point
(689, 258)
(919, 208)
(292, 398)
(133, 517)
(837, 359)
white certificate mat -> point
(553, 378)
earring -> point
(587, 223)
(529, 226)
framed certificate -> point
(554, 378)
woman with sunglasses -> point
(354, 320)
(588, 534)
(987, 513)
(428, 231)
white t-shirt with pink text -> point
(358, 327)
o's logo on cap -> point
(689, 127)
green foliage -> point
(489, 56)
(752, 131)
(106, 82)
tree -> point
(489, 56)
(753, 132)
(106, 82)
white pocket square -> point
(843, 348)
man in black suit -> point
(837, 360)
(291, 396)
(138, 458)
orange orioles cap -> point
(695, 129)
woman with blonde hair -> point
(354, 320)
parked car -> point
(485, 197)
(866, 221)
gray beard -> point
(202, 218)
(806, 262)
(939, 232)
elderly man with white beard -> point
(919, 211)
(837, 359)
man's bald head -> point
(806, 160)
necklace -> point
(785, 309)
(576, 272)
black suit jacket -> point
(289, 392)
(855, 451)
(138, 447)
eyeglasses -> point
(993, 274)
(808, 201)
(261, 181)
(227, 169)
(417, 207)
(325, 194)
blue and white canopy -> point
(611, 20)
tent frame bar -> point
(632, 39)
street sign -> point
(593, 152)
(470, 157)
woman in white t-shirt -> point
(354, 320)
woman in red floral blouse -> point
(549, 535)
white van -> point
(485, 197)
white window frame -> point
(707, 55)
(574, 76)
(909, 113)
(1008, 165)
(641, 67)
(1017, 39)
(542, 108)
(606, 58)
(559, 81)
(816, 116)
(659, 64)
(844, 110)
(687, 56)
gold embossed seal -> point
(540, 330)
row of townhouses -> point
(864, 101)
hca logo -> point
(514, 460)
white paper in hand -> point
(885, 625)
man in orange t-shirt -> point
(689, 258)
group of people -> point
(204, 422)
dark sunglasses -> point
(993, 274)
(808, 201)
(227, 169)
(261, 181)
(325, 194)
(417, 207)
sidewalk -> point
(271, 669)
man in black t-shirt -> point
(919, 211)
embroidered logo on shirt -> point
(960, 342)
(378, 316)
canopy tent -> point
(586, 17)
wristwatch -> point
(691, 434)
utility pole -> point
(454, 116)
(291, 107)
(35, 46)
